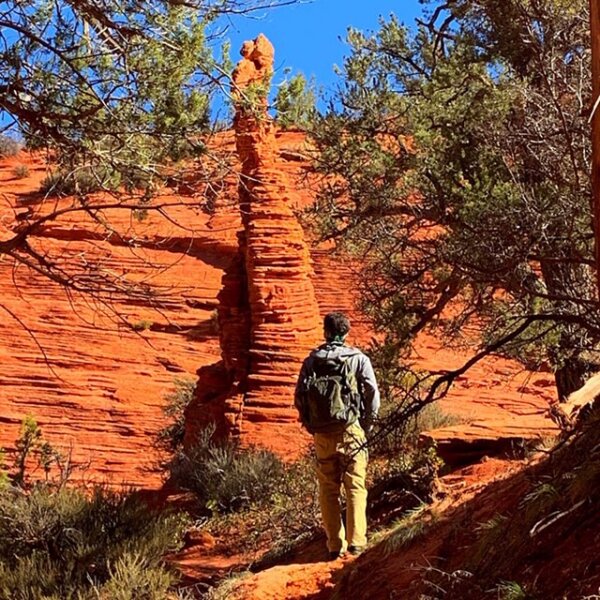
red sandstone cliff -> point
(105, 391)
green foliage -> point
(289, 517)
(64, 543)
(253, 98)
(494, 524)
(142, 325)
(134, 576)
(227, 588)
(32, 452)
(224, 477)
(276, 524)
(170, 438)
(20, 172)
(28, 442)
(511, 590)
(250, 499)
(438, 142)
(80, 181)
(125, 84)
(4, 479)
(401, 390)
(539, 500)
(406, 530)
(295, 103)
(8, 146)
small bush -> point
(411, 527)
(170, 438)
(80, 181)
(142, 325)
(4, 479)
(224, 477)
(228, 588)
(285, 516)
(8, 146)
(20, 172)
(140, 214)
(28, 443)
(134, 576)
(251, 499)
(389, 441)
(62, 543)
(511, 590)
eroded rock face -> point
(268, 315)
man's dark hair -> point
(336, 324)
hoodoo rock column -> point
(284, 315)
(268, 327)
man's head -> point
(336, 327)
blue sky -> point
(309, 36)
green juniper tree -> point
(456, 163)
(295, 102)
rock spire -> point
(268, 313)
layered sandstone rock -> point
(100, 388)
(268, 315)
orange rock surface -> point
(100, 386)
(94, 372)
(270, 302)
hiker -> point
(337, 399)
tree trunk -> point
(573, 359)
(571, 376)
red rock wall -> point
(99, 390)
(104, 394)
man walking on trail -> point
(337, 399)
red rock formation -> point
(268, 328)
(107, 400)
(99, 389)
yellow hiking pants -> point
(339, 461)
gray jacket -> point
(362, 368)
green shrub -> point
(295, 102)
(170, 438)
(28, 443)
(407, 529)
(225, 477)
(80, 181)
(390, 440)
(62, 543)
(511, 590)
(134, 576)
(249, 497)
(142, 325)
(228, 587)
(20, 172)
(286, 516)
(8, 146)
(4, 479)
